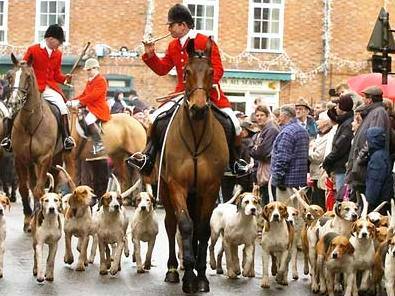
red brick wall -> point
(121, 23)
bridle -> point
(18, 95)
(188, 93)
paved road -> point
(18, 278)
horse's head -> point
(20, 80)
(198, 75)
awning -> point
(262, 75)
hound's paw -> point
(49, 278)
(315, 288)
(80, 267)
(134, 258)
(113, 270)
(220, 270)
(140, 269)
(265, 283)
(322, 290)
(35, 271)
(147, 265)
(281, 279)
(126, 252)
(68, 259)
(249, 273)
(295, 276)
(338, 288)
(231, 274)
(103, 271)
(91, 260)
(306, 270)
(40, 279)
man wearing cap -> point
(94, 99)
(180, 24)
(46, 59)
(289, 155)
(303, 109)
(335, 161)
(374, 115)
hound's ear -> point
(354, 228)
(40, 217)
(8, 203)
(350, 249)
(238, 202)
(265, 213)
(337, 208)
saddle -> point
(82, 127)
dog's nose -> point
(143, 208)
(334, 255)
(276, 216)
(364, 234)
(291, 222)
(253, 211)
(51, 210)
(354, 216)
(309, 216)
(116, 207)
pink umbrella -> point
(363, 81)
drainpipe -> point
(326, 45)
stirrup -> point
(137, 157)
(6, 144)
(240, 166)
(68, 143)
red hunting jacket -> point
(47, 69)
(94, 97)
(177, 56)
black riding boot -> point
(68, 141)
(145, 160)
(6, 142)
(94, 132)
(237, 166)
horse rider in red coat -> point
(180, 25)
(46, 60)
(94, 99)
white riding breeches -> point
(90, 118)
(4, 112)
(56, 98)
(235, 121)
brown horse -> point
(122, 135)
(194, 161)
(34, 134)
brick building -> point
(279, 50)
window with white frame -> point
(205, 15)
(266, 21)
(49, 12)
(3, 21)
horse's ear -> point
(14, 59)
(191, 47)
(209, 45)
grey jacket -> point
(373, 115)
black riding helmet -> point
(180, 13)
(56, 32)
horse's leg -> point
(172, 264)
(185, 225)
(24, 191)
(202, 225)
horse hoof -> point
(172, 276)
(189, 287)
(203, 285)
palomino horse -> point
(122, 136)
(34, 134)
(194, 161)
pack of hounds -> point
(347, 250)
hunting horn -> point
(152, 40)
(78, 60)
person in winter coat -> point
(335, 161)
(316, 157)
(261, 150)
(373, 114)
(379, 182)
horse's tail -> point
(237, 192)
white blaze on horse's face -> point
(16, 87)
